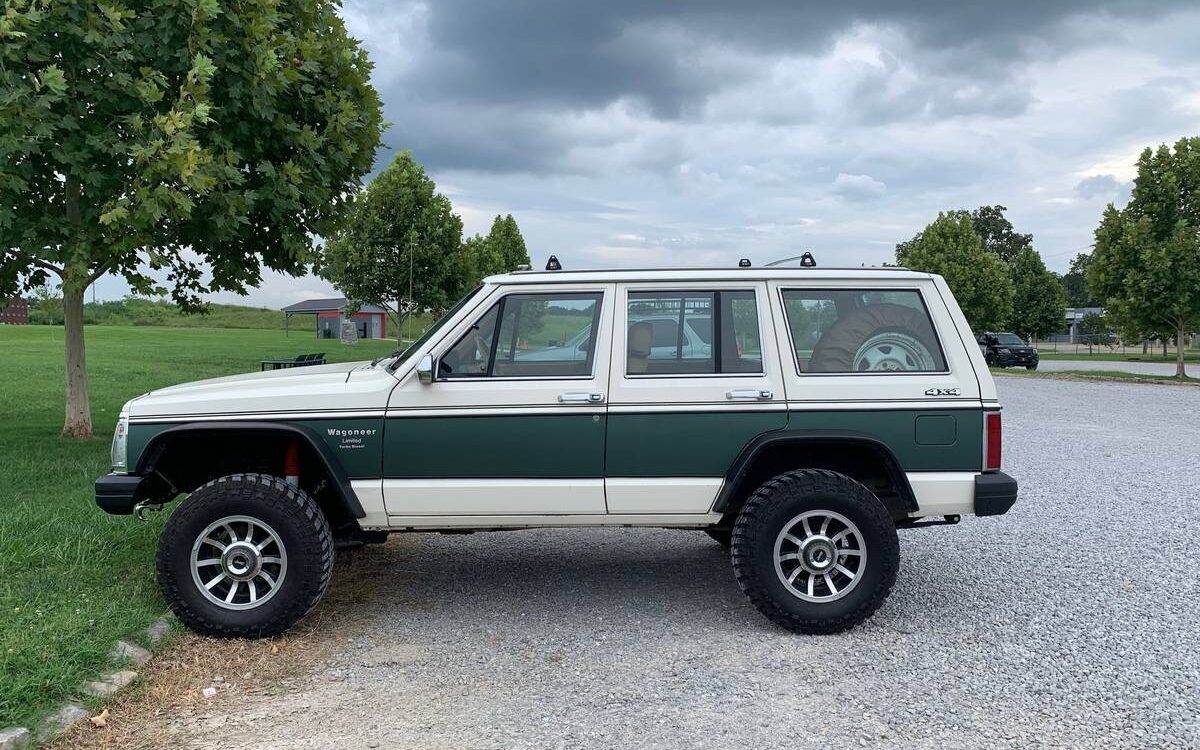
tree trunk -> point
(1180, 372)
(78, 422)
(1145, 347)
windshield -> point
(1008, 339)
(403, 356)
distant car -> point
(1007, 350)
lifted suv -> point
(797, 416)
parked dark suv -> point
(1007, 350)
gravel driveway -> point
(1142, 368)
(1072, 622)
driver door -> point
(513, 423)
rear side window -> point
(671, 333)
(860, 331)
(528, 336)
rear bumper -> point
(117, 493)
(995, 493)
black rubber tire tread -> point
(1031, 367)
(836, 349)
(723, 537)
(294, 516)
(781, 499)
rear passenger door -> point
(695, 376)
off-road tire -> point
(1030, 367)
(723, 537)
(836, 350)
(775, 504)
(293, 515)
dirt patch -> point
(171, 687)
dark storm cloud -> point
(486, 83)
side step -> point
(920, 523)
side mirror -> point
(425, 369)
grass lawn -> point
(73, 579)
(1100, 355)
(1132, 377)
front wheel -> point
(815, 551)
(244, 556)
(1031, 367)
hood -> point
(296, 389)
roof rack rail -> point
(806, 260)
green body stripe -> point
(664, 444)
(690, 444)
(535, 445)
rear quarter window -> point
(855, 331)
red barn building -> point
(14, 312)
(370, 320)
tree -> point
(189, 137)
(507, 244)
(997, 234)
(1094, 329)
(1146, 265)
(979, 279)
(1039, 301)
(400, 248)
(1074, 282)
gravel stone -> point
(1074, 621)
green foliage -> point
(979, 279)
(1074, 283)
(1146, 265)
(178, 136)
(507, 244)
(136, 311)
(997, 233)
(1094, 329)
(1038, 299)
(167, 132)
(401, 247)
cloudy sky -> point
(694, 133)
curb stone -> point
(15, 738)
(19, 738)
(54, 724)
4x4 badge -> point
(942, 392)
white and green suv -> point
(797, 415)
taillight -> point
(992, 451)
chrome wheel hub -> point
(820, 556)
(238, 562)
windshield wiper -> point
(397, 353)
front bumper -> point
(1017, 360)
(995, 493)
(118, 493)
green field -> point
(1100, 355)
(73, 579)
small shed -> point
(14, 312)
(370, 320)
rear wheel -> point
(244, 556)
(815, 551)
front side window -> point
(858, 331)
(528, 336)
(671, 333)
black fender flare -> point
(341, 482)
(736, 475)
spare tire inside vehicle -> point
(879, 338)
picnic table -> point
(300, 360)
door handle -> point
(581, 398)
(750, 394)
